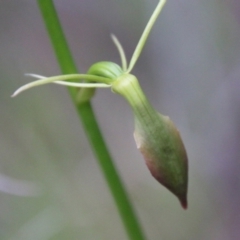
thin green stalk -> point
(86, 113)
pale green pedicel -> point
(155, 135)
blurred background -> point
(51, 186)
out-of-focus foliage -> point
(50, 184)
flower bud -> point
(157, 138)
(164, 153)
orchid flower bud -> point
(157, 138)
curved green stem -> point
(85, 111)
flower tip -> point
(184, 203)
(19, 90)
(14, 94)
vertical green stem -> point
(86, 114)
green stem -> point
(85, 111)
